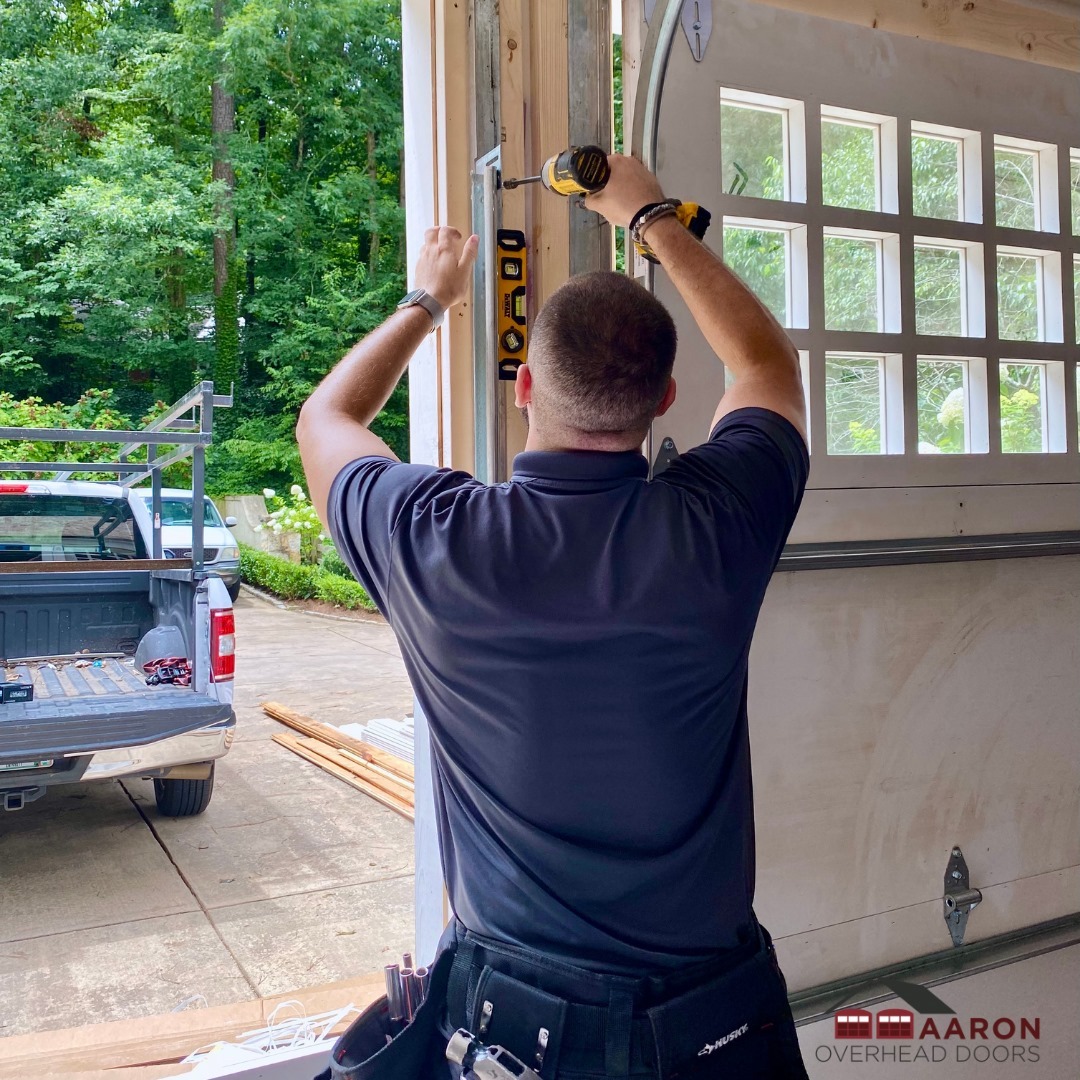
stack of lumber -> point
(384, 777)
(396, 737)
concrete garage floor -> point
(289, 879)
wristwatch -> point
(427, 302)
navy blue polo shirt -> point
(577, 639)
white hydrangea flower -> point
(298, 491)
(269, 493)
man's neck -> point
(563, 441)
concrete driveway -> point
(289, 879)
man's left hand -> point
(444, 269)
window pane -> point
(853, 405)
(849, 165)
(942, 389)
(1018, 298)
(935, 177)
(1016, 179)
(1076, 295)
(760, 258)
(1076, 196)
(1023, 408)
(939, 291)
(752, 147)
(852, 286)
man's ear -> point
(667, 400)
(523, 387)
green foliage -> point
(333, 563)
(759, 257)
(849, 168)
(108, 209)
(942, 421)
(344, 592)
(96, 410)
(1022, 409)
(289, 580)
(293, 581)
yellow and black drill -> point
(584, 170)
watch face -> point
(411, 297)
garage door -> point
(909, 211)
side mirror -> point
(231, 522)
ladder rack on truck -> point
(115, 661)
(189, 435)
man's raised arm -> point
(739, 328)
(333, 426)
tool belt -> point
(369, 1049)
(725, 1018)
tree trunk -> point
(373, 204)
(226, 313)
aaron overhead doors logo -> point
(936, 1034)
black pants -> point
(725, 1020)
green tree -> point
(199, 188)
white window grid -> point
(981, 239)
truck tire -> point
(234, 590)
(183, 798)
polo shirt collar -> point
(580, 465)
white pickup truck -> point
(113, 662)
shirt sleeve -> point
(368, 500)
(757, 463)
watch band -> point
(420, 298)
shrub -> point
(292, 581)
(333, 563)
(344, 592)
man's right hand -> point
(630, 187)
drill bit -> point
(509, 185)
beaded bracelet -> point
(650, 213)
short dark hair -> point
(601, 353)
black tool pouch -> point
(738, 1024)
(416, 1053)
(525, 1020)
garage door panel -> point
(897, 711)
(835, 952)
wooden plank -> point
(518, 204)
(380, 796)
(549, 124)
(334, 737)
(377, 770)
(454, 115)
(395, 787)
(1003, 27)
(170, 1037)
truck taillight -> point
(222, 644)
(9, 487)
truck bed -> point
(78, 707)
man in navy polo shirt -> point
(577, 639)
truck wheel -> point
(183, 798)
(234, 590)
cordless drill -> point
(584, 170)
